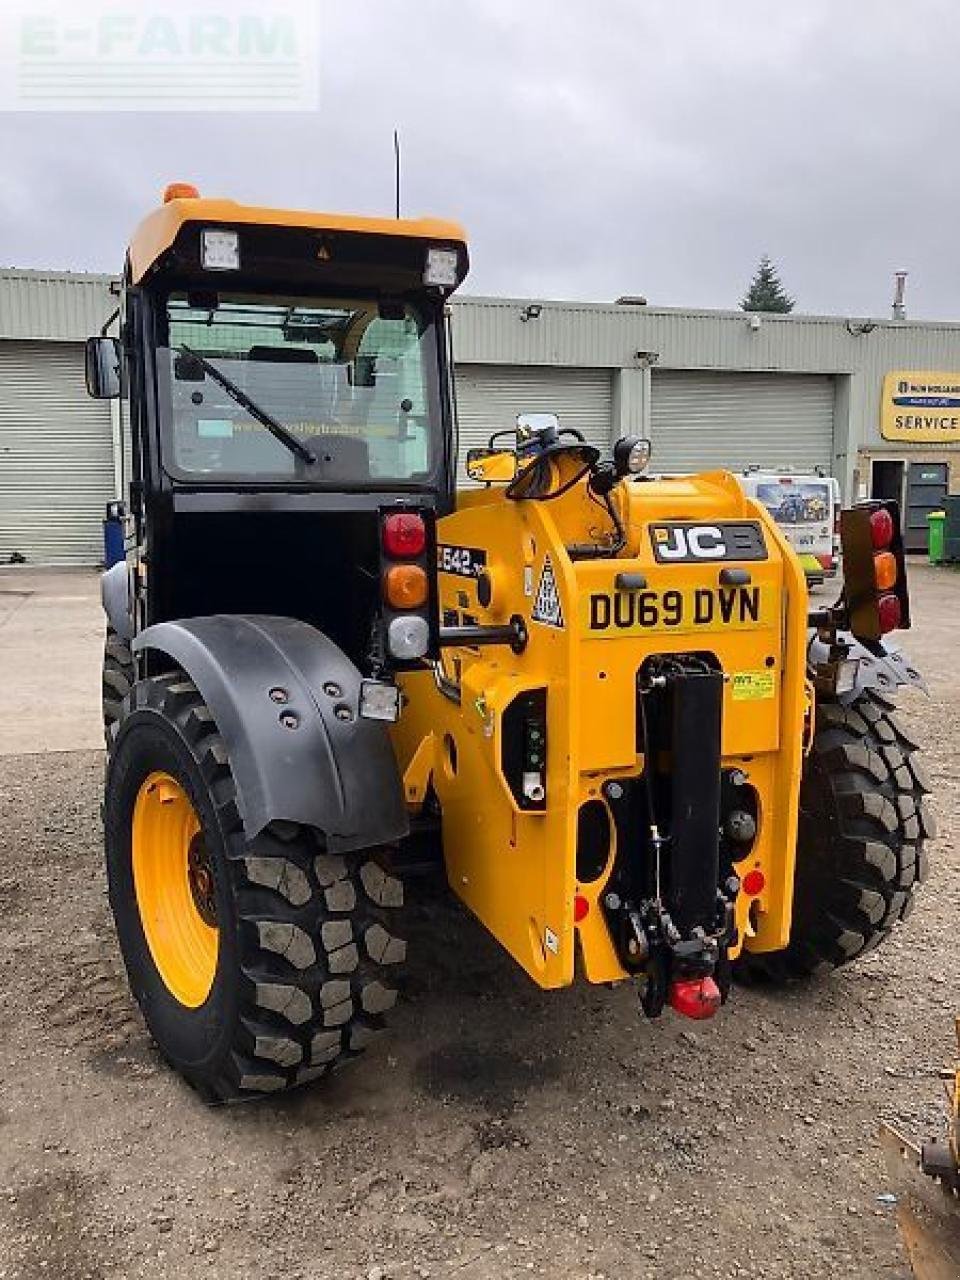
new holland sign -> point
(922, 407)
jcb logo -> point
(686, 543)
(693, 542)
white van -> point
(807, 508)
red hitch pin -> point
(695, 997)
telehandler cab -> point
(641, 757)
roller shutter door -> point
(735, 420)
(56, 456)
(489, 397)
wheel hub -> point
(175, 889)
(200, 877)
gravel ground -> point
(499, 1131)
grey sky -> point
(625, 146)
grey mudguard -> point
(885, 669)
(115, 597)
(335, 772)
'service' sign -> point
(921, 406)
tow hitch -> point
(672, 923)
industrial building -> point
(875, 403)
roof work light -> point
(441, 267)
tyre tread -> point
(860, 855)
(312, 994)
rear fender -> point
(116, 596)
(285, 699)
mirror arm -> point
(115, 315)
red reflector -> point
(695, 997)
(889, 613)
(753, 882)
(881, 528)
(404, 535)
(580, 908)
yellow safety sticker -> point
(751, 686)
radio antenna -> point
(396, 159)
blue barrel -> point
(113, 551)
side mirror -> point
(531, 424)
(102, 365)
(491, 465)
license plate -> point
(678, 610)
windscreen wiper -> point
(276, 429)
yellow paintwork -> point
(417, 774)
(516, 869)
(158, 230)
(495, 468)
(183, 946)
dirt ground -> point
(498, 1131)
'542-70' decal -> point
(465, 562)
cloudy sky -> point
(622, 146)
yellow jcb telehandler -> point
(602, 699)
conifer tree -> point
(766, 293)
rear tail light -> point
(405, 586)
(408, 637)
(881, 528)
(404, 535)
(891, 615)
(874, 570)
(885, 570)
(407, 569)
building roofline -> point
(570, 304)
(58, 277)
(700, 313)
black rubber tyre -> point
(860, 846)
(307, 951)
(118, 677)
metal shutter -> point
(490, 396)
(56, 456)
(703, 420)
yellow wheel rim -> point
(174, 887)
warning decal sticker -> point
(546, 607)
(752, 686)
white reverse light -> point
(408, 637)
(379, 700)
(220, 250)
(441, 267)
(847, 671)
